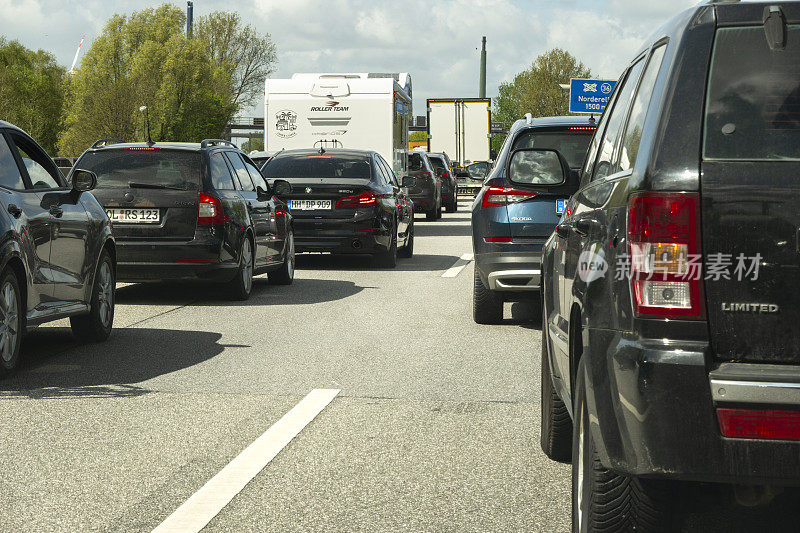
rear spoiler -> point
(215, 142)
(99, 143)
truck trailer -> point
(364, 111)
(461, 128)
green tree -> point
(418, 136)
(245, 57)
(256, 143)
(537, 91)
(31, 92)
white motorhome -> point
(461, 128)
(364, 111)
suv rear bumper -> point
(518, 270)
(656, 416)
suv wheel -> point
(10, 322)
(388, 258)
(408, 250)
(556, 434)
(242, 284)
(285, 274)
(96, 325)
(487, 306)
(603, 500)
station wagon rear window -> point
(753, 97)
(318, 166)
(121, 168)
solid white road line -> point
(212, 497)
(458, 266)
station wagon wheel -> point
(242, 283)
(106, 294)
(9, 323)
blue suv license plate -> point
(560, 205)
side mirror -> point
(537, 166)
(83, 180)
(281, 188)
(262, 195)
(408, 182)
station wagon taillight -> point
(209, 210)
(496, 196)
(666, 271)
(759, 424)
(365, 199)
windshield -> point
(478, 170)
(573, 146)
(318, 166)
(753, 107)
(120, 168)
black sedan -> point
(57, 252)
(192, 211)
(345, 201)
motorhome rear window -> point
(305, 166)
(753, 97)
(119, 168)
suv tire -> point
(285, 274)
(242, 283)
(12, 320)
(408, 250)
(556, 433)
(96, 325)
(487, 307)
(605, 500)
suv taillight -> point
(496, 196)
(365, 199)
(209, 210)
(666, 271)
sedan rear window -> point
(159, 168)
(753, 97)
(573, 146)
(318, 166)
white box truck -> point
(461, 128)
(364, 111)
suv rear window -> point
(437, 163)
(573, 146)
(753, 97)
(119, 168)
(318, 166)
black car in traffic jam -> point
(192, 211)
(57, 253)
(444, 169)
(425, 187)
(671, 346)
(346, 202)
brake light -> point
(663, 235)
(364, 199)
(209, 210)
(758, 424)
(144, 148)
(496, 196)
(582, 128)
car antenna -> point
(321, 150)
(147, 121)
(591, 119)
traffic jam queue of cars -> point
(664, 260)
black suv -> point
(57, 253)
(192, 211)
(444, 169)
(670, 295)
(425, 187)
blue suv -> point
(519, 206)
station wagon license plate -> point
(308, 205)
(560, 205)
(134, 216)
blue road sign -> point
(589, 96)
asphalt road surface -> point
(435, 426)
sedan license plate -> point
(560, 205)
(308, 205)
(134, 216)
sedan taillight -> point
(209, 210)
(663, 235)
(496, 196)
(364, 199)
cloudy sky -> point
(437, 41)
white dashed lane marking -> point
(458, 266)
(212, 497)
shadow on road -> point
(418, 263)
(527, 314)
(55, 365)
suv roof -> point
(102, 144)
(539, 122)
